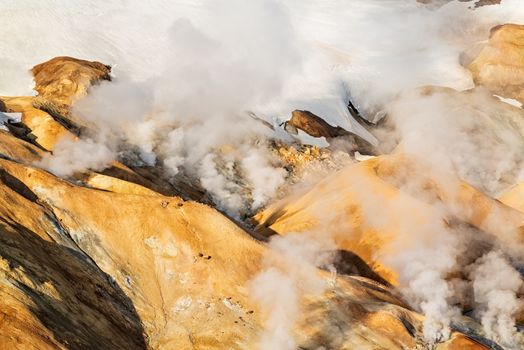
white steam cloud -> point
(289, 275)
(496, 285)
(73, 156)
(471, 134)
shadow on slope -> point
(83, 307)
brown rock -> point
(314, 125)
(317, 127)
(480, 3)
(63, 80)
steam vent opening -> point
(262, 174)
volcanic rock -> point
(46, 130)
(315, 126)
(500, 65)
(63, 80)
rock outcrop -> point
(60, 82)
(480, 3)
(315, 126)
(63, 80)
(500, 64)
(46, 129)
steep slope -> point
(368, 207)
(148, 246)
(61, 82)
(53, 295)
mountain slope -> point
(122, 266)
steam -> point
(187, 71)
(191, 115)
(211, 78)
(276, 291)
(425, 249)
(266, 179)
(425, 242)
(289, 275)
(72, 156)
(472, 135)
(423, 273)
(496, 285)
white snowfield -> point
(282, 55)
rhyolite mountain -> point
(122, 259)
